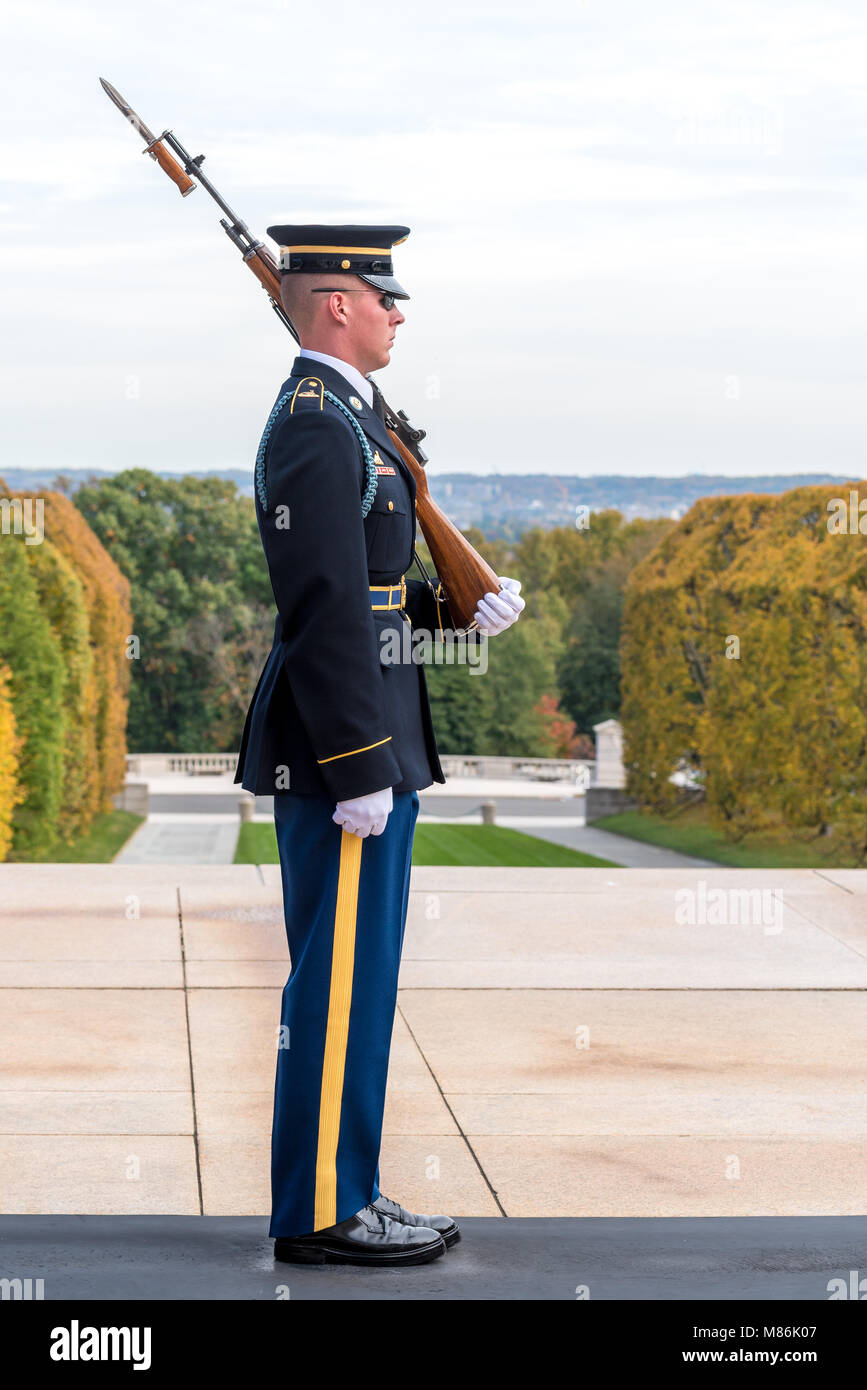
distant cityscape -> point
(503, 505)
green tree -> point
(201, 600)
(61, 599)
(492, 711)
(589, 570)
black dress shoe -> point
(443, 1225)
(370, 1237)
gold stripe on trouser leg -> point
(337, 1029)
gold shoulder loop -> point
(307, 387)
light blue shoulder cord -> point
(372, 476)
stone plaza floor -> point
(570, 1044)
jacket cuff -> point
(361, 770)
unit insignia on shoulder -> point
(311, 387)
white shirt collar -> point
(352, 374)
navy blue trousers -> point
(345, 901)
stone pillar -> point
(607, 795)
(610, 771)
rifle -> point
(464, 575)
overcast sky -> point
(638, 231)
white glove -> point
(496, 612)
(365, 815)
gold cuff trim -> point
(353, 751)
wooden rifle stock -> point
(465, 576)
(265, 270)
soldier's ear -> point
(338, 310)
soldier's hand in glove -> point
(496, 612)
(365, 815)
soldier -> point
(343, 741)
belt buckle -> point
(403, 591)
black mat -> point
(231, 1257)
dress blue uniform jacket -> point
(328, 714)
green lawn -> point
(494, 844)
(688, 832)
(446, 844)
(108, 834)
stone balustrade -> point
(524, 769)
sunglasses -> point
(386, 300)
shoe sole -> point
(323, 1254)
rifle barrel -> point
(465, 575)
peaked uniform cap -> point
(345, 250)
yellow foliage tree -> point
(64, 623)
(11, 792)
(104, 696)
(744, 654)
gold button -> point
(345, 264)
(391, 506)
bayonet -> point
(134, 119)
(153, 143)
